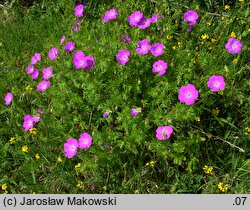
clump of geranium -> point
(160, 67)
(188, 94)
(110, 15)
(191, 17)
(53, 53)
(157, 49)
(137, 19)
(143, 47)
(81, 61)
(216, 83)
(29, 122)
(79, 10)
(164, 132)
(71, 146)
(123, 56)
(8, 98)
(233, 46)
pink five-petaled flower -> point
(43, 86)
(216, 83)
(78, 60)
(134, 112)
(69, 46)
(30, 69)
(53, 53)
(144, 23)
(157, 49)
(135, 18)
(143, 47)
(35, 74)
(160, 67)
(164, 132)
(29, 121)
(188, 94)
(70, 147)
(47, 73)
(233, 46)
(155, 17)
(79, 10)
(85, 141)
(35, 58)
(8, 98)
(123, 56)
(110, 15)
(191, 17)
(90, 60)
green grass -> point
(77, 99)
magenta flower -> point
(28, 122)
(36, 119)
(143, 47)
(160, 67)
(47, 73)
(62, 39)
(35, 74)
(157, 49)
(76, 26)
(53, 53)
(36, 58)
(144, 23)
(85, 141)
(233, 46)
(8, 98)
(79, 60)
(43, 86)
(191, 17)
(70, 147)
(188, 94)
(125, 38)
(79, 10)
(155, 17)
(69, 46)
(216, 83)
(105, 115)
(30, 69)
(164, 132)
(40, 111)
(90, 61)
(123, 56)
(135, 18)
(110, 15)
(134, 112)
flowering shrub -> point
(103, 115)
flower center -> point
(189, 95)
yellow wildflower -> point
(248, 30)
(152, 163)
(198, 119)
(233, 34)
(235, 61)
(247, 129)
(80, 184)
(28, 89)
(78, 165)
(205, 36)
(169, 37)
(33, 131)
(209, 23)
(174, 47)
(227, 7)
(147, 164)
(25, 148)
(223, 18)
(5, 192)
(59, 159)
(12, 140)
(4, 187)
(213, 40)
(243, 22)
(37, 156)
(179, 44)
(223, 187)
(216, 111)
(241, 0)
(208, 169)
